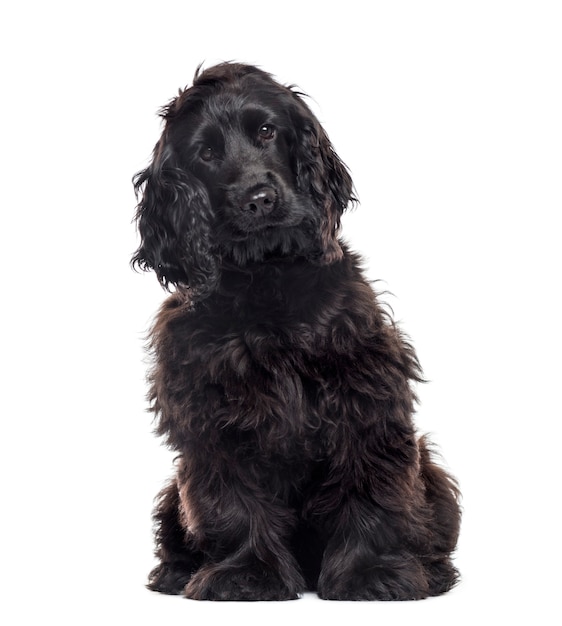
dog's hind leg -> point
(442, 495)
(178, 557)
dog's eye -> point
(207, 153)
(266, 131)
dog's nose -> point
(259, 201)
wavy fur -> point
(283, 386)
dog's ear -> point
(321, 173)
(174, 219)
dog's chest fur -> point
(264, 348)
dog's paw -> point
(405, 581)
(442, 575)
(170, 578)
(241, 583)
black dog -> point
(280, 382)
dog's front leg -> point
(357, 566)
(242, 529)
(371, 506)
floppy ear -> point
(174, 222)
(321, 172)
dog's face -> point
(243, 171)
(241, 147)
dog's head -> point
(243, 171)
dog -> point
(279, 379)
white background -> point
(449, 115)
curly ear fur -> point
(324, 175)
(173, 219)
(174, 214)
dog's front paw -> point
(442, 575)
(216, 582)
(396, 581)
(170, 578)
